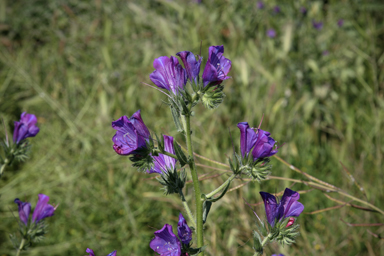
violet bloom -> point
(260, 5)
(165, 242)
(217, 66)
(317, 25)
(169, 74)
(131, 135)
(91, 253)
(303, 10)
(287, 207)
(42, 209)
(25, 128)
(278, 254)
(276, 9)
(271, 33)
(192, 66)
(183, 230)
(163, 163)
(325, 53)
(340, 23)
(259, 140)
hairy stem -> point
(214, 192)
(187, 209)
(20, 247)
(195, 179)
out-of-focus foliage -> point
(78, 65)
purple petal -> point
(288, 206)
(192, 66)
(271, 207)
(91, 253)
(217, 66)
(128, 140)
(24, 210)
(25, 128)
(169, 74)
(42, 209)
(264, 145)
(112, 253)
(162, 162)
(139, 125)
(248, 138)
(165, 242)
(183, 230)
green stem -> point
(20, 247)
(187, 209)
(214, 192)
(195, 179)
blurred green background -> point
(78, 65)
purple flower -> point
(91, 253)
(276, 9)
(217, 66)
(163, 163)
(24, 210)
(25, 128)
(325, 53)
(260, 5)
(259, 140)
(42, 209)
(271, 33)
(165, 242)
(340, 23)
(303, 10)
(131, 135)
(192, 66)
(183, 230)
(287, 207)
(317, 25)
(278, 254)
(169, 74)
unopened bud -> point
(290, 222)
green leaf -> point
(180, 154)
(257, 243)
(206, 208)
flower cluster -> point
(42, 210)
(32, 231)
(256, 146)
(166, 243)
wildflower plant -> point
(18, 149)
(161, 154)
(32, 230)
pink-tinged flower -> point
(25, 128)
(217, 66)
(290, 222)
(287, 207)
(257, 140)
(91, 253)
(42, 209)
(192, 66)
(165, 242)
(131, 135)
(183, 230)
(168, 74)
(163, 163)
